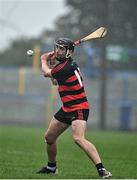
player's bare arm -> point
(45, 58)
(45, 67)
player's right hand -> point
(51, 55)
(51, 58)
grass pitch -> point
(22, 154)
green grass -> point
(22, 154)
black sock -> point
(99, 166)
(52, 164)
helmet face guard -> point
(66, 45)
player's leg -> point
(54, 130)
(78, 132)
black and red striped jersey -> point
(70, 86)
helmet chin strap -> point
(68, 53)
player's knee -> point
(78, 140)
(49, 139)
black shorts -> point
(68, 117)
